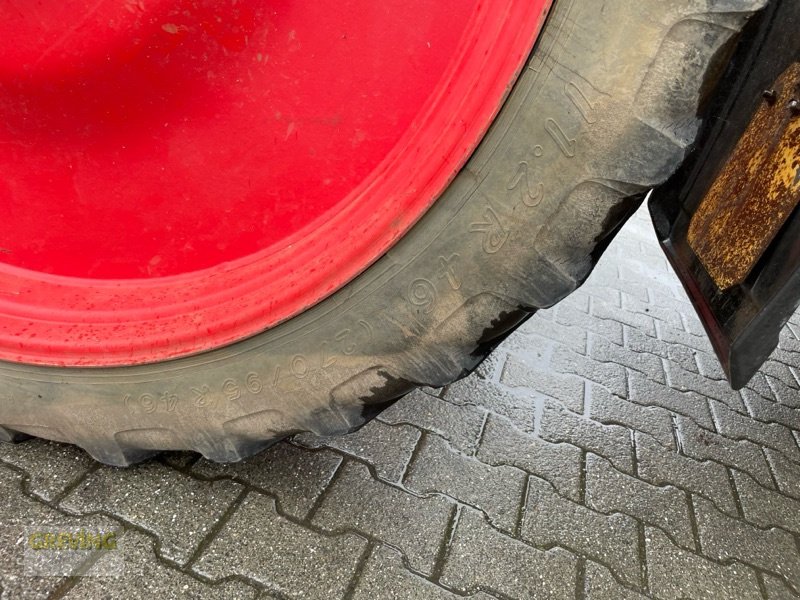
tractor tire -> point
(604, 111)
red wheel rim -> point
(178, 175)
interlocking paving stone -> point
(459, 425)
(781, 372)
(688, 381)
(773, 412)
(709, 366)
(607, 328)
(52, 467)
(772, 435)
(19, 516)
(675, 573)
(649, 393)
(612, 410)
(611, 540)
(647, 364)
(559, 464)
(686, 358)
(286, 557)
(145, 578)
(523, 371)
(518, 406)
(386, 577)
(610, 491)
(497, 491)
(739, 454)
(570, 336)
(766, 508)
(416, 526)
(662, 466)
(724, 538)
(611, 441)
(673, 335)
(599, 584)
(776, 588)
(609, 374)
(481, 556)
(180, 510)
(17, 512)
(641, 322)
(386, 447)
(682, 355)
(296, 477)
(666, 314)
(786, 472)
(784, 394)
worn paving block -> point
(570, 317)
(259, 544)
(459, 425)
(538, 349)
(783, 393)
(176, 508)
(388, 448)
(414, 525)
(610, 540)
(674, 335)
(776, 588)
(709, 366)
(682, 355)
(675, 573)
(519, 405)
(781, 370)
(765, 507)
(666, 507)
(611, 441)
(480, 556)
(687, 381)
(768, 411)
(641, 322)
(662, 466)
(523, 370)
(739, 454)
(17, 513)
(559, 464)
(637, 304)
(613, 410)
(51, 467)
(724, 538)
(647, 364)
(737, 427)
(649, 393)
(599, 584)
(665, 297)
(385, 577)
(608, 374)
(496, 490)
(786, 472)
(603, 293)
(144, 577)
(295, 476)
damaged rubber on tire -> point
(605, 110)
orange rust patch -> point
(755, 193)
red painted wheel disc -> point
(177, 175)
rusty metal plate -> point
(756, 191)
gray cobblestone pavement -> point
(598, 454)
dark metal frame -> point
(743, 323)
